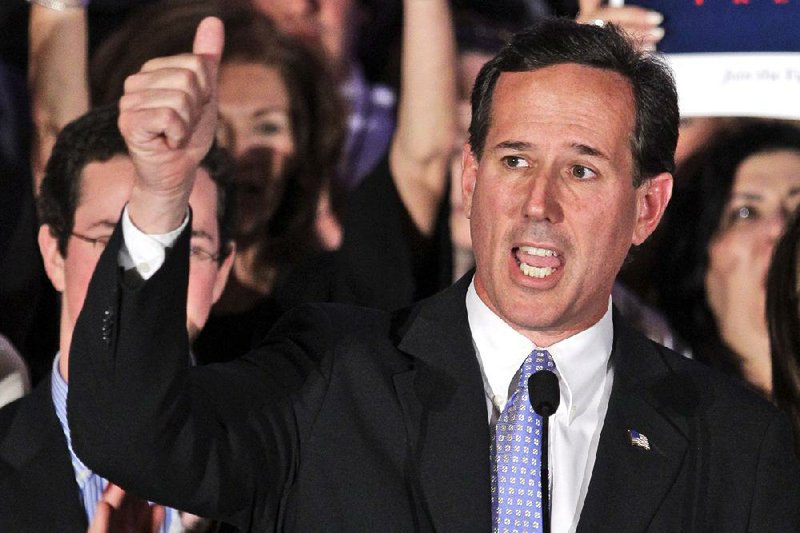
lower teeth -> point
(536, 272)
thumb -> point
(209, 40)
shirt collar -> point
(59, 390)
(582, 360)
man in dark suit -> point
(43, 486)
(351, 419)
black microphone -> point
(545, 396)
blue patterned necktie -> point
(515, 451)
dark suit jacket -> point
(38, 491)
(350, 419)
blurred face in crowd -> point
(765, 191)
(105, 188)
(255, 126)
(321, 23)
(469, 64)
(551, 201)
(695, 132)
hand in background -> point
(643, 25)
(57, 77)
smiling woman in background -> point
(717, 244)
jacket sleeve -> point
(219, 441)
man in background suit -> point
(351, 419)
(88, 179)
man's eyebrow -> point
(103, 224)
(514, 145)
(585, 149)
(202, 234)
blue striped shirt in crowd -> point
(91, 485)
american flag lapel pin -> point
(638, 439)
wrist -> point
(61, 5)
(155, 213)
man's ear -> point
(224, 270)
(53, 260)
(469, 173)
(652, 198)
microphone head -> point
(543, 392)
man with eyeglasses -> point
(88, 180)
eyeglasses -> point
(202, 255)
(99, 244)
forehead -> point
(104, 188)
(565, 103)
(251, 84)
(777, 170)
(203, 201)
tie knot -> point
(540, 360)
(536, 360)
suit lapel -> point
(445, 413)
(649, 399)
(35, 447)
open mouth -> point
(536, 262)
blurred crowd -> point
(336, 178)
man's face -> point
(105, 187)
(551, 202)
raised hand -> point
(168, 117)
(643, 25)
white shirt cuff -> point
(145, 252)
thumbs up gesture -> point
(168, 117)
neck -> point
(65, 340)
(63, 365)
(758, 373)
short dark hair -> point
(95, 137)
(556, 41)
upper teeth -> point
(532, 250)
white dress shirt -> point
(582, 365)
(584, 376)
(142, 251)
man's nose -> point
(541, 202)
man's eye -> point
(581, 172)
(513, 161)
